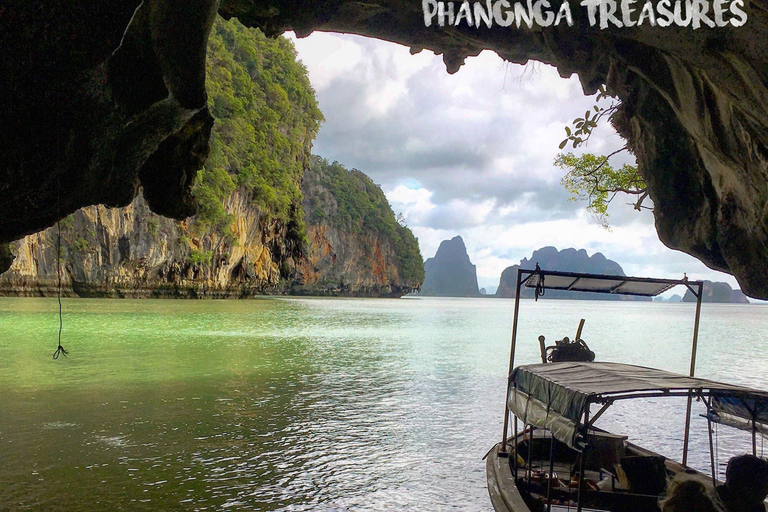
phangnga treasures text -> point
(603, 13)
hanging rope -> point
(539, 291)
(59, 350)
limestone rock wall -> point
(355, 245)
(338, 263)
(718, 292)
(131, 252)
(566, 260)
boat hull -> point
(504, 494)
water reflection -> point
(305, 404)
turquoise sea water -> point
(313, 404)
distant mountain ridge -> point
(450, 273)
(567, 260)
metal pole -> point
(551, 471)
(511, 361)
(529, 470)
(711, 453)
(691, 373)
(581, 462)
(516, 455)
(754, 431)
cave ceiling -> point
(102, 99)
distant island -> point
(573, 260)
(673, 298)
(718, 292)
(450, 273)
(567, 260)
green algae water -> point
(312, 404)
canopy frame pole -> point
(754, 432)
(600, 412)
(516, 451)
(710, 431)
(711, 452)
(511, 358)
(581, 459)
(551, 471)
(694, 346)
(529, 469)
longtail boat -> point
(556, 458)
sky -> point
(471, 154)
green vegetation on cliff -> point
(249, 236)
(266, 118)
(357, 205)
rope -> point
(539, 291)
(60, 350)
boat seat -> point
(604, 451)
(643, 474)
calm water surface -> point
(312, 404)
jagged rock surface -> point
(450, 273)
(88, 120)
(131, 252)
(341, 264)
(98, 102)
(356, 247)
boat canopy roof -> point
(555, 396)
(623, 285)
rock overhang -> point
(104, 101)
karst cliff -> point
(100, 102)
(131, 252)
(450, 273)
(355, 246)
(271, 218)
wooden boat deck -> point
(505, 490)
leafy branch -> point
(591, 177)
(583, 126)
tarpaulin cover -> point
(741, 413)
(622, 285)
(555, 395)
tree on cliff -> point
(591, 177)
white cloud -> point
(414, 203)
(327, 56)
(471, 153)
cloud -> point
(471, 153)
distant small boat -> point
(560, 460)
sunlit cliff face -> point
(100, 101)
